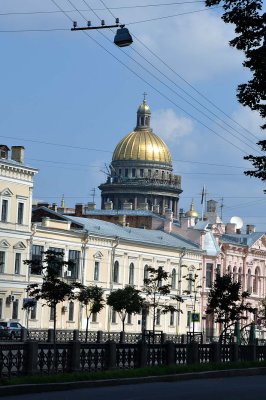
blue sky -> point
(69, 101)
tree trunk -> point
(87, 328)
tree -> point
(92, 298)
(53, 290)
(250, 27)
(228, 303)
(125, 301)
(156, 286)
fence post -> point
(142, 354)
(24, 334)
(216, 352)
(252, 352)
(122, 338)
(74, 359)
(235, 353)
(170, 353)
(75, 335)
(30, 358)
(99, 336)
(192, 353)
(110, 355)
(51, 334)
(163, 337)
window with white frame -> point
(17, 263)
(158, 317)
(116, 272)
(73, 267)
(33, 312)
(2, 261)
(146, 273)
(209, 273)
(20, 215)
(15, 309)
(172, 318)
(113, 317)
(36, 258)
(129, 318)
(71, 311)
(94, 317)
(96, 270)
(57, 265)
(1, 308)
(51, 313)
(131, 274)
(173, 283)
(4, 210)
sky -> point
(69, 97)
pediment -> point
(4, 244)
(6, 192)
(19, 246)
(98, 255)
(260, 244)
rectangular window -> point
(218, 270)
(56, 264)
(17, 263)
(51, 313)
(73, 269)
(33, 312)
(15, 309)
(94, 317)
(20, 213)
(113, 319)
(172, 318)
(126, 172)
(1, 308)
(209, 270)
(133, 172)
(2, 261)
(188, 319)
(96, 270)
(71, 311)
(141, 173)
(149, 173)
(36, 258)
(4, 210)
(129, 318)
(190, 282)
(158, 317)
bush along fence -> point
(33, 357)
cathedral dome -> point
(142, 145)
(192, 213)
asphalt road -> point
(240, 388)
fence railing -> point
(36, 357)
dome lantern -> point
(143, 115)
(192, 213)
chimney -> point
(108, 205)
(127, 206)
(4, 151)
(91, 206)
(250, 229)
(17, 154)
(79, 210)
(54, 207)
(230, 228)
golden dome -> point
(142, 145)
(192, 213)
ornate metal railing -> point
(180, 354)
(126, 356)
(92, 357)
(40, 335)
(11, 359)
(205, 353)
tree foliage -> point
(227, 302)
(250, 27)
(125, 301)
(92, 298)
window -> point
(146, 272)
(235, 274)
(17, 263)
(56, 265)
(133, 172)
(129, 318)
(189, 282)
(209, 269)
(141, 172)
(131, 274)
(94, 317)
(96, 270)
(249, 287)
(158, 316)
(119, 172)
(218, 269)
(15, 309)
(1, 308)
(71, 311)
(149, 173)
(188, 318)
(172, 318)
(20, 213)
(239, 275)
(73, 269)
(36, 258)
(2, 261)
(126, 172)
(160, 283)
(33, 312)
(256, 282)
(173, 284)
(113, 317)
(4, 210)
(116, 272)
(51, 313)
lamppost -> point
(122, 37)
(182, 255)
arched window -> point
(239, 275)
(71, 311)
(256, 281)
(235, 274)
(160, 282)
(116, 272)
(173, 285)
(131, 274)
(249, 287)
(146, 273)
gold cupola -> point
(142, 144)
(192, 212)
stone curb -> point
(52, 387)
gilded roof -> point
(143, 145)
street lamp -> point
(122, 37)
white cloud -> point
(168, 125)
(250, 120)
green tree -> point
(250, 27)
(125, 301)
(92, 298)
(53, 290)
(156, 285)
(228, 303)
